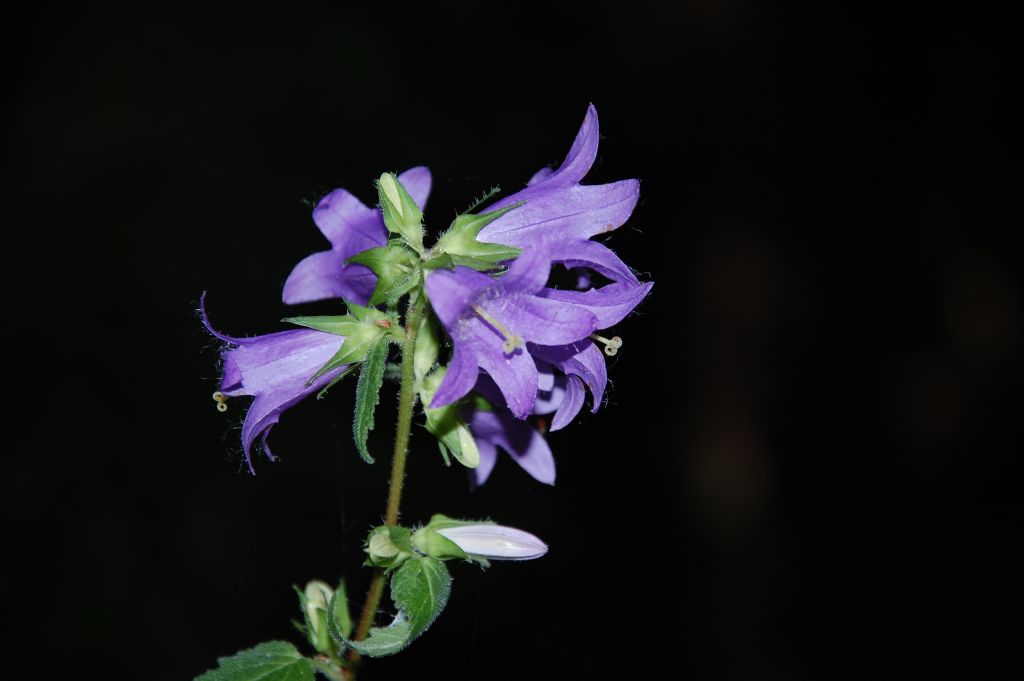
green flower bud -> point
(388, 546)
(401, 214)
(314, 600)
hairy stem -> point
(406, 404)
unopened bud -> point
(495, 542)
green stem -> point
(406, 404)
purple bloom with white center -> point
(490, 322)
(352, 228)
(275, 369)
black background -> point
(807, 467)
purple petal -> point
(566, 213)
(460, 377)
(551, 399)
(576, 164)
(571, 404)
(324, 275)
(275, 369)
(592, 255)
(521, 441)
(209, 326)
(609, 304)
(417, 182)
(529, 272)
(488, 457)
(542, 321)
(581, 359)
(350, 226)
(451, 292)
(515, 373)
(540, 175)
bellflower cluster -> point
(495, 352)
(487, 282)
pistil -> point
(611, 345)
(512, 340)
(222, 401)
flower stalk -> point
(406, 405)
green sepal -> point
(446, 425)
(273, 661)
(428, 345)
(401, 214)
(371, 376)
(339, 618)
(420, 590)
(460, 241)
(388, 546)
(428, 541)
(397, 269)
(363, 327)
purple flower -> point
(490, 322)
(352, 228)
(275, 369)
(519, 439)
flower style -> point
(275, 369)
(490, 322)
(352, 228)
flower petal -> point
(609, 304)
(592, 255)
(581, 359)
(520, 440)
(350, 226)
(459, 379)
(570, 405)
(451, 292)
(576, 164)
(542, 321)
(528, 273)
(275, 369)
(325, 275)
(417, 182)
(488, 457)
(565, 213)
(515, 373)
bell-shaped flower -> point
(352, 228)
(275, 369)
(492, 321)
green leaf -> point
(273, 661)
(371, 376)
(420, 590)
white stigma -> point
(611, 345)
(222, 401)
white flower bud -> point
(495, 541)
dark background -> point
(808, 464)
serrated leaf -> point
(371, 376)
(420, 590)
(273, 661)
